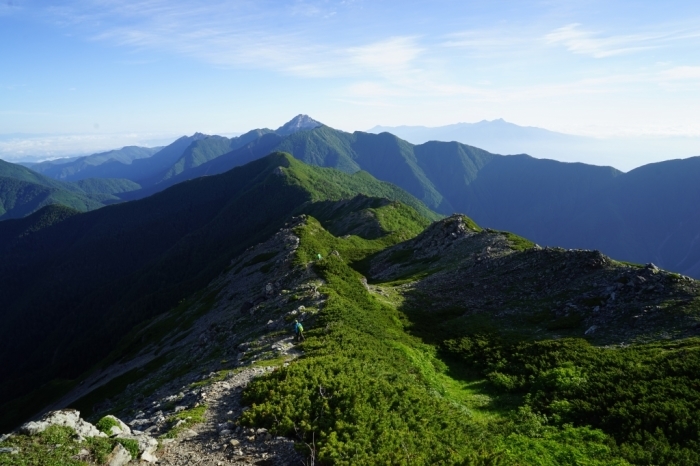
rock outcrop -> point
(64, 417)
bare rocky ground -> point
(244, 333)
(219, 441)
(545, 292)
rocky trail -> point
(219, 441)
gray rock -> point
(149, 457)
(140, 422)
(119, 456)
(189, 433)
(591, 330)
(10, 450)
(147, 444)
(65, 417)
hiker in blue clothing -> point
(298, 331)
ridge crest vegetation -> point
(428, 340)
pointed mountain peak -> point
(298, 123)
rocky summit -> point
(547, 292)
(298, 123)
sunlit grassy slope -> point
(374, 388)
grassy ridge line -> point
(133, 261)
(331, 184)
(367, 392)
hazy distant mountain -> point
(92, 165)
(502, 137)
(197, 152)
(150, 166)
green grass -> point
(518, 243)
(219, 377)
(191, 417)
(272, 362)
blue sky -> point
(101, 73)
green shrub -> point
(366, 392)
(645, 396)
(105, 424)
(131, 445)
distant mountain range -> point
(502, 137)
(23, 191)
(646, 215)
(497, 136)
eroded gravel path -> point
(219, 441)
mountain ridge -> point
(387, 350)
(554, 203)
(139, 258)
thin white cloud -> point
(240, 34)
(28, 147)
(584, 42)
(396, 54)
(681, 73)
(234, 34)
(488, 41)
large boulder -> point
(64, 417)
(119, 456)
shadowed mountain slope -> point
(441, 343)
(71, 290)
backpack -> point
(299, 328)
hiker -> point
(298, 331)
